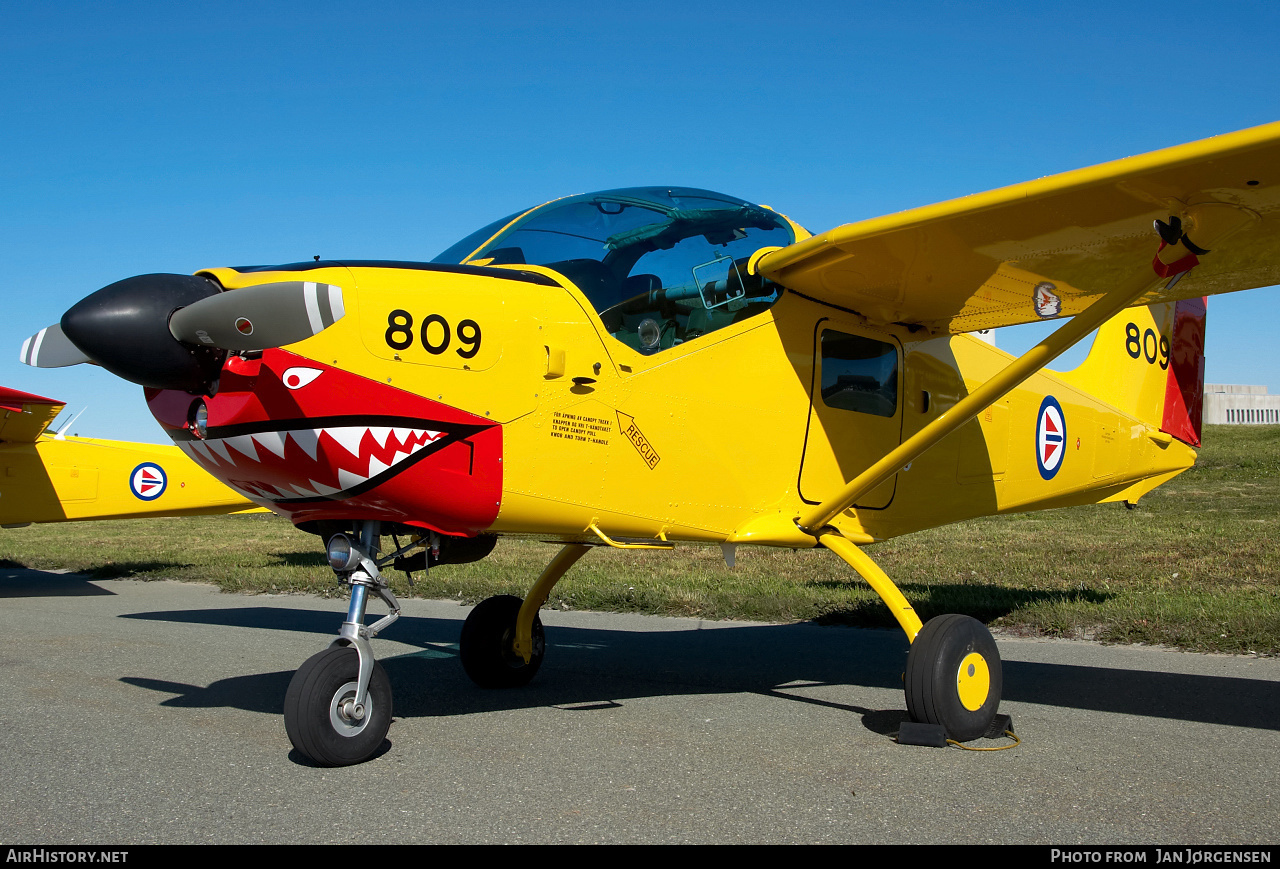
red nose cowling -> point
(315, 442)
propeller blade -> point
(259, 317)
(50, 348)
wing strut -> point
(1174, 258)
(815, 521)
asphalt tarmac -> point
(150, 712)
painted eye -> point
(296, 378)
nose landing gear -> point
(338, 707)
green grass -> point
(1195, 566)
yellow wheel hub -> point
(973, 681)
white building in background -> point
(1234, 404)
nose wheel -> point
(321, 715)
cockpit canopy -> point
(661, 265)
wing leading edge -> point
(24, 416)
(44, 478)
(1047, 248)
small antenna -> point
(62, 432)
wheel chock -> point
(999, 725)
(935, 735)
(915, 733)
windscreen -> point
(661, 265)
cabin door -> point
(855, 411)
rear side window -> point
(859, 374)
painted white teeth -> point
(218, 447)
(272, 440)
(376, 467)
(308, 439)
(243, 444)
(348, 437)
(348, 480)
(407, 442)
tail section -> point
(1149, 364)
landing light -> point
(342, 557)
(200, 420)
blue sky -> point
(172, 137)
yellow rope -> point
(1008, 733)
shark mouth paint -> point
(271, 433)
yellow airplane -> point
(657, 365)
(54, 478)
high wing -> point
(1049, 247)
(24, 417)
(44, 478)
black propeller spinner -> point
(124, 327)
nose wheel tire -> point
(953, 676)
(320, 714)
(486, 644)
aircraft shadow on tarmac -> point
(595, 669)
(17, 580)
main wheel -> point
(953, 676)
(318, 716)
(486, 645)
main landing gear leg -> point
(502, 640)
(953, 669)
(338, 707)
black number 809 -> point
(1146, 345)
(435, 334)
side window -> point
(859, 374)
(686, 291)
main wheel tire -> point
(313, 709)
(954, 677)
(486, 644)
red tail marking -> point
(1184, 389)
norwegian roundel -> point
(1051, 437)
(148, 481)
